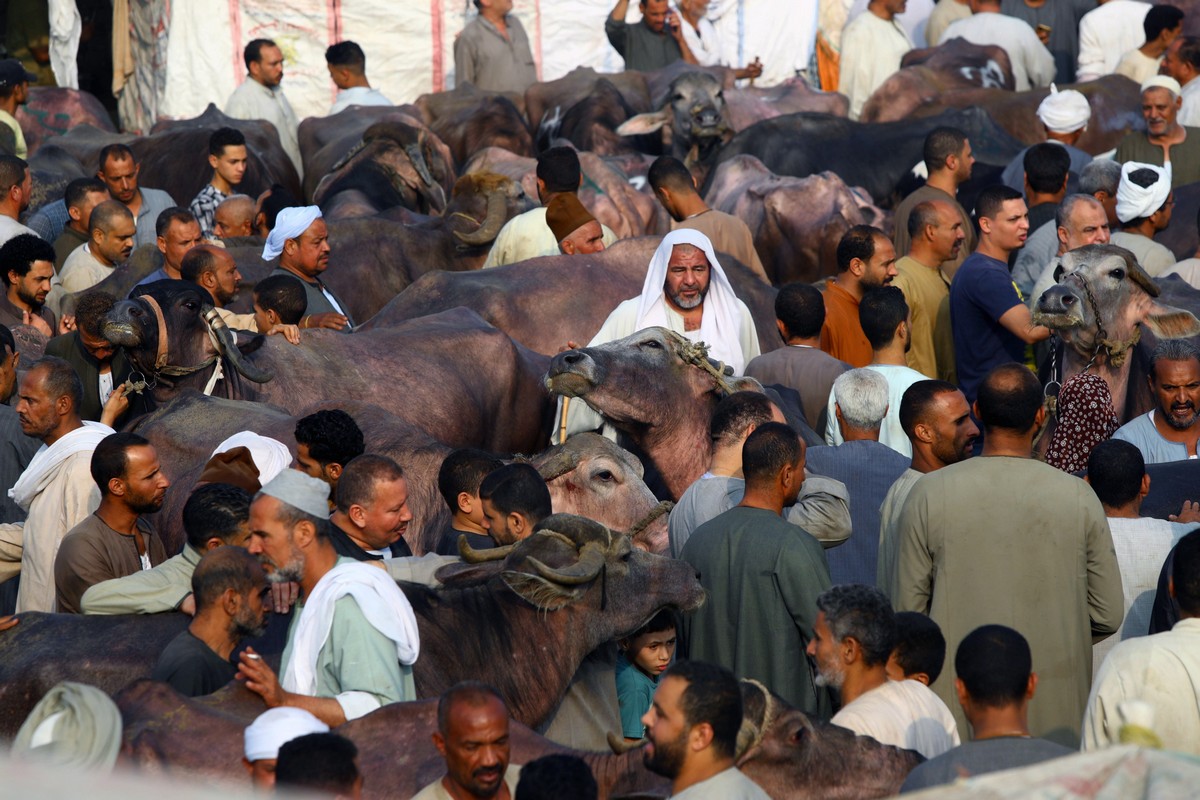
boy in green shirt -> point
(644, 657)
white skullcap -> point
(1135, 201)
(1064, 112)
(290, 223)
(1165, 82)
(276, 727)
(271, 456)
(301, 491)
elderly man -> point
(873, 43)
(178, 232)
(1169, 431)
(654, 42)
(1064, 115)
(1015, 505)
(1144, 204)
(228, 158)
(866, 260)
(231, 591)
(1161, 101)
(937, 420)
(56, 489)
(29, 265)
(16, 187)
(472, 737)
(300, 241)
(354, 637)
(347, 64)
(261, 97)
(1081, 220)
(949, 159)
(270, 731)
(1162, 25)
(372, 511)
(771, 570)
(119, 170)
(111, 234)
(1032, 63)
(675, 188)
(81, 196)
(116, 540)
(234, 217)
(492, 52)
(936, 234)
(1105, 34)
(855, 635)
(575, 229)
(1182, 62)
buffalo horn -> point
(434, 191)
(472, 556)
(491, 224)
(558, 464)
(584, 570)
(229, 350)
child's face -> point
(652, 652)
(262, 317)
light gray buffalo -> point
(697, 118)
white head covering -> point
(73, 725)
(1134, 201)
(271, 456)
(722, 322)
(1165, 82)
(276, 727)
(290, 223)
(1064, 112)
(301, 491)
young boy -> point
(278, 300)
(644, 657)
(458, 481)
(920, 649)
(227, 156)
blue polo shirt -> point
(982, 291)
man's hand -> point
(36, 322)
(116, 405)
(283, 596)
(66, 323)
(260, 678)
(751, 70)
(289, 332)
(327, 319)
(569, 346)
(1189, 513)
(8, 622)
(671, 23)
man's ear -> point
(700, 737)
(357, 514)
(1031, 687)
(212, 161)
(923, 432)
(518, 525)
(567, 246)
(74, 213)
(211, 543)
(439, 743)
(116, 487)
(1145, 487)
(333, 470)
(960, 689)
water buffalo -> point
(54, 110)
(750, 104)
(796, 222)
(1098, 309)
(546, 103)
(468, 120)
(436, 363)
(698, 123)
(571, 586)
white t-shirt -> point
(903, 714)
(106, 388)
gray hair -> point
(862, 395)
(1066, 208)
(1101, 175)
(1172, 350)
(863, 613)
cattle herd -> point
(450, 356)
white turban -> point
(301, 491)
(270, 456)
(1163, 82)
(74, 725)
(290, 223)
(721, 324)
(1134, 201)
(276, 727)
(1064, 112)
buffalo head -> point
(1103, 295)
(696, 112)
(482, 202)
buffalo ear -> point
(250, 344)
(1168, 322)
(644, 123)
(542, 594)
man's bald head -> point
(234, 217)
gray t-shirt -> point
(978, 758)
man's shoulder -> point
(1137, 429)
(743, 522)
(85, 534)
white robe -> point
(871, 53)
(1032, 64)
(1189, 113)
(1106, 33)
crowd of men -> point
(839, 575)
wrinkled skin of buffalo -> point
(926, 74)
(752, 104)
(539, 303)
(343, 129)
(453, 375)
(545, 103)
(52, 169)
(591, 124)
(397, 161)
(796, 222)
(54, 110)
(698, 125)
(876, 157)
(1101, 300)
(468, 120)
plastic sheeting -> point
(189, 54)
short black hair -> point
(1189, 51)
(115, 152)
(78, 190)
(18, 254)
(110, 459)
(801, 309)
(880, 312)
(517, 488)
(61, 379)
(713, 696)
(771, 447)
(736, 412)
(1185, 573)
(922, 214)
(665, 620)
(253, 51)
(920, 645)
(222, 569)
(7, 343)
(474, 693)
(356, 486)
(1115, 470)
(940, 144)
(1009, 398)
(557, 776)
(331, 436)
(1046, 167)
(215, 509)
(559, 169)
(858, 242)
(346, 54)
(91, 309)
(173, 214)
(918, 399)
(284, 295)
(12, 171)
(670, 172)
(864, 614)
(994, 663)
(1159, 18)
(225, 137)
(462, 471)
(322, 762)
(992, 199)
(196, 262)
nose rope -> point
(161, 367)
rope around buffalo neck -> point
(162, 368)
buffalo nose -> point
(572, 357)
(1057, 300)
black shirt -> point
(191, 667)
(345, 546)
(448, 544)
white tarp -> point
(189, 54)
